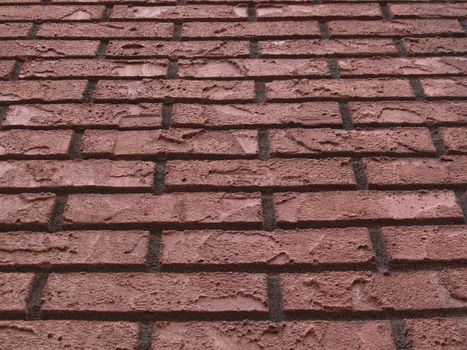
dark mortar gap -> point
(34, 300)
(324, 30)
(254, 49)
(35, 28)
(102, 49)
(360, 173)
(159, 178)
(400, 47)
(334, 68)
(75, 147)
(275, 298)
(387, 15)
(345, 115)
(260, 91)
(177, 32)
(269, 217)
(181, 2)
(153, 257)
(462, 200)
(146, 330)
(399, 335)
(167, 116)
(57, 213)
(16, 70)
(379, 248)
(418, 89)
(107, 13)
(173, 69)
(252, 17)
(263, 144)
(88, 95)
(438, 142)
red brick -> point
(26, 143)
(175, 208)
(437, 333)
(435, 45)
(74, 248)
(15, 30)
(334, 292)
(174, 142)
(357, 206)
(403, 66)
(6, 68)
(412, 113)
(54, 335)
(49, 12)
(14, 289)
(318, 11)
(331, 141)
(207, 90)
(312, 335)
(85, 174)
(250, 29)
(416, 172)
(421, 244)
(274, 114)
(94, 68)
(26, 209)
(318, 47)
(338, 89)
(123, 116)
(274, 173)
(44, 90)
(448, 87)
(402, 27)
(48, 48)
(189, 12)
(429, 10)
(146, 292)
(240, 68)
(142, 2)
(260, 248)
(114, 30)
(188, 49)
(455, 139)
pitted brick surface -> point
(233, 175)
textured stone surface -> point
(175, 209)
(278, 248)
(274, 173)
(73, 335)
(48, 48)
(455, 139)
(14, 30)
(126, 292)
(420, 244)
(76, 248)
(438, 333)
(43, 91)
(357, 206)
(64, 13)
(429, 10)
(448, 87)
(318, 11)
(33, 209)
(365, 291)
(435, 45)
(300, 335)
(87, 174)
(14, 289)
(176, 142)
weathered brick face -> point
(233, 175)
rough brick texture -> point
(233, 174)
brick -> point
(371, 335)
(52, 335)
(429, 10)
(448, 87)
(274, 173)
(26, 143)
(115, 30)
(318, 11)
(49, 12)
(44, 90)
(416, 46)
(425, 244)
(331, 141)
(403, 66)
(15, 30)
(318, 47)
(123, 116)
(26, 209)
(272, 114)
(94, 68)
(260, 248)
(358, 206)
(172, 209)
(187, 49)
(146, 292)
(455, 139)
(74, 248)
(69, 175)
(401, 27)
(14, 289)
(437, 333)
(241, 68)
(338, 89)
(6, 68)
(189, 12)
(142, 2)
(48, 48)
(245, 30)
(207, 90)
(416, 172)
(334, 292)
(170, 143)
(410, 113)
